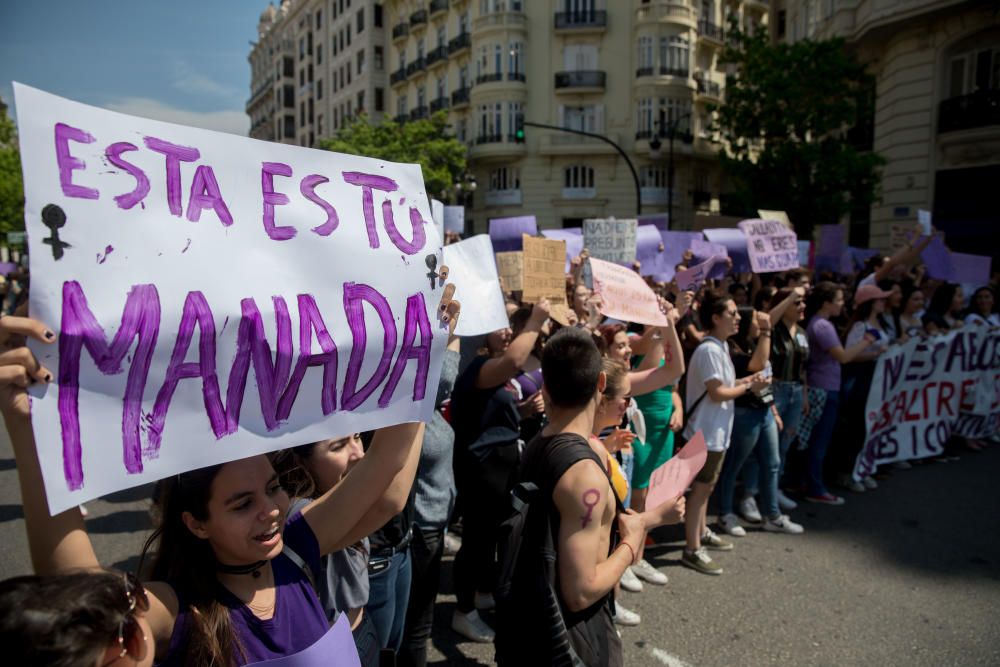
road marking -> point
(666, 658)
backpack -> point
(528, 578)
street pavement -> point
(908, 574)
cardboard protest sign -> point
(510, 266)
(216, 297)
(937, 258)
(736, 246)
(544, 277)
(454, 219)
(691, 279)
(674, 246)
(780, 216)
(972, 270)
(771, 245)
(477, 285)
(506, 232)
(648, 246)
(659, 220)
(610, 239)
(926, 391)
(624, 294)
(672, 479)
(573, 238)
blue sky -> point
(173, 60)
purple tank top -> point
(298, 620)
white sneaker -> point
(625, 616)
(648, 573)
(782, 524)
(851, 484)
(786, 503)
(484, 601)
(630, 582)
(451, 544)
(472, 627)
(869, 482)
(748, 509)
(730, 525)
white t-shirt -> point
(710, 361)
(992, 320)
(858, 331)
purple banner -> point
(647, 248)
(573, 238)
(860, 255)
(971, 269)
(938, 260)
(674, 246)
(736, 245)
(692, 279)
(505, 233)
(7, 268)
(659, 220)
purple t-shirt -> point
(298, 619)
(822, 370)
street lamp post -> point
(654, 152)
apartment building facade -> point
(627, 70)
(937, 111)
(316, 64)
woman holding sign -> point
(235, 571)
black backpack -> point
(527, 600)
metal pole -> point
(635, 174)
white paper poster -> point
(477, 286)
(437, 213)
(454, 219)
(215, 296)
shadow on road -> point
(11, 513)
(125, 521)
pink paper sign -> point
(674, 477)
(625, 295)
(772, 246)
(691, 279)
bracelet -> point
(623, 543)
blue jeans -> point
(754, 432)
(788, 400)
(819, 441)
(388, 598)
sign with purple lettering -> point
(505, 233)
(772, 246)
(216, 297)
(736, 245)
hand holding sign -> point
(670, 480)
(18, 366)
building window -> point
(442, 87)
(505, 178)
(497, 59)
(463, 23)
(653, 177)
(361, 61)
(491, 121)
(462, 130)
(442, 36)
(319, 124)
(361, 20)
(319, 89)
(644, 120)
(675, 54)
(378, 16)
(401, 105)
(379, 100)
(319, 19)
(580, 58)
(645, 52)
(515, 64)
(421, 97)
(673, 111)
(319, 54)
(587, 118)
(514, 111)
(578, 182)
(334, 45)
(361, 101)
(379, 59)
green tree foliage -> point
(11, 184)
(426, 142)
(787, 130)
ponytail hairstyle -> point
(188, 563)
(615, 373)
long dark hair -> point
(824, 291)
(188, 563)
(62, 620)
(742, 340)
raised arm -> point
(762, 352)
(498, 371)
(669, 349)
(582, 497)
(904, 256)
(776, 313)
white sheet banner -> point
(215, 296)
(929, 389)
(478, 290)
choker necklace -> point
(252, 568)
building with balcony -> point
(316, 64)
(628, 70)
(936, 119)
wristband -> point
(623, 543)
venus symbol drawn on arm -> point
(590, 499)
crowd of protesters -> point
(255, 559)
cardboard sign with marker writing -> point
(611, 240)
(510, 267)
(543, 276)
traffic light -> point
(519, 128)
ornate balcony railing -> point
(580, 79)
(967, 112)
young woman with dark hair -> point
(981, 307)
(233, 568)
(907, 315)
(944, 312)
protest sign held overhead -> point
(543, 276)
(694, 277)
(573, 238)
(174, 262)
(624, 294)
(675, 244)
(505, 233)
(771, 245)
(511, 269)
(454, 219)
(610, 239)
(479, 286)
(736, 246)
(780, 216)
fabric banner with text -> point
(216, 297)
(929, 389)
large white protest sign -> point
(610, 239)
(772, 246)
(929, 389)
(215, 296)
(478, 288)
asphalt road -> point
(908, 574)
